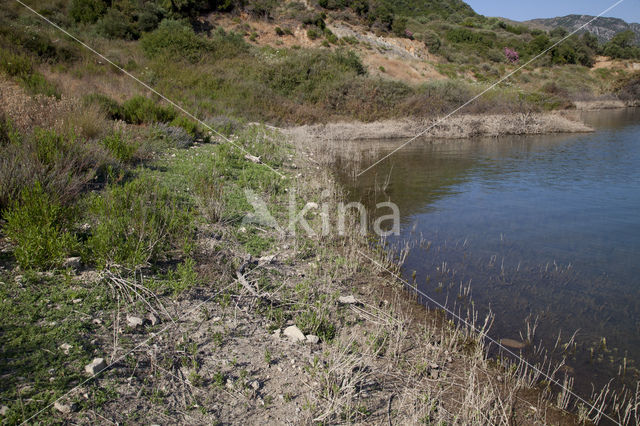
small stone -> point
(255, 385)
(229, 384)
(294, 333)
(96, 366)
(434, 374)
(266, 260)
(63, 408)
(511, 343)
(134, 322)
(4, 410)
(73, 263)
(347, 300)
(97, 321)
(19, 278)
(313, 339)
(65, 348)
(277, 333)
(76, 301)
(153, 320)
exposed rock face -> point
(603, 28)
(96, 366)
(294, 333)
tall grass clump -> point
(119, 145)
(62, 163)
(38, 226)
(21, 68)
(135, 224)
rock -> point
(63, 408)
(266, 260)
(76, 301)
(97, 321)
(347, 300)
(153, 320)
(434, 374)
(294, 333)
(229, 384)
(19, 278)
(313, 339)
(96, 366)
(73, 263)
(277, 333)
(513, 344)
(4, 410)
(255, 385)
(134, 322)
(65, 348)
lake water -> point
(537, 226)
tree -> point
(622, 46)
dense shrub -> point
(622, 46)
(21, 67)
(135, 223)
(109, 106)
(120, 146)
(308, 74)
(62, 164)
(140, 109)
(87, 11)
(176, 39)
(115, 24)
(37, 225)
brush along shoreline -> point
(455, 127)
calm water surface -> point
(539, 226)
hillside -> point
(603, 28)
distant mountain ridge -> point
(603, 28)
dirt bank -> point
(456, 127)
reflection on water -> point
(543, 226)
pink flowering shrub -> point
(512, 55)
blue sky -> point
(521, 10)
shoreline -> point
(455, 127)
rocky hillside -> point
(603, 28)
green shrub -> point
(432, 41)
(150, 17)
(21, 67)
(37, 225)
(135, 224)
(87, 11)
(116, 25)
(140, 109)
(314, 33)
(63, 165)
(7, 132)
(120, 147)
(107, 105)
(175, 39)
